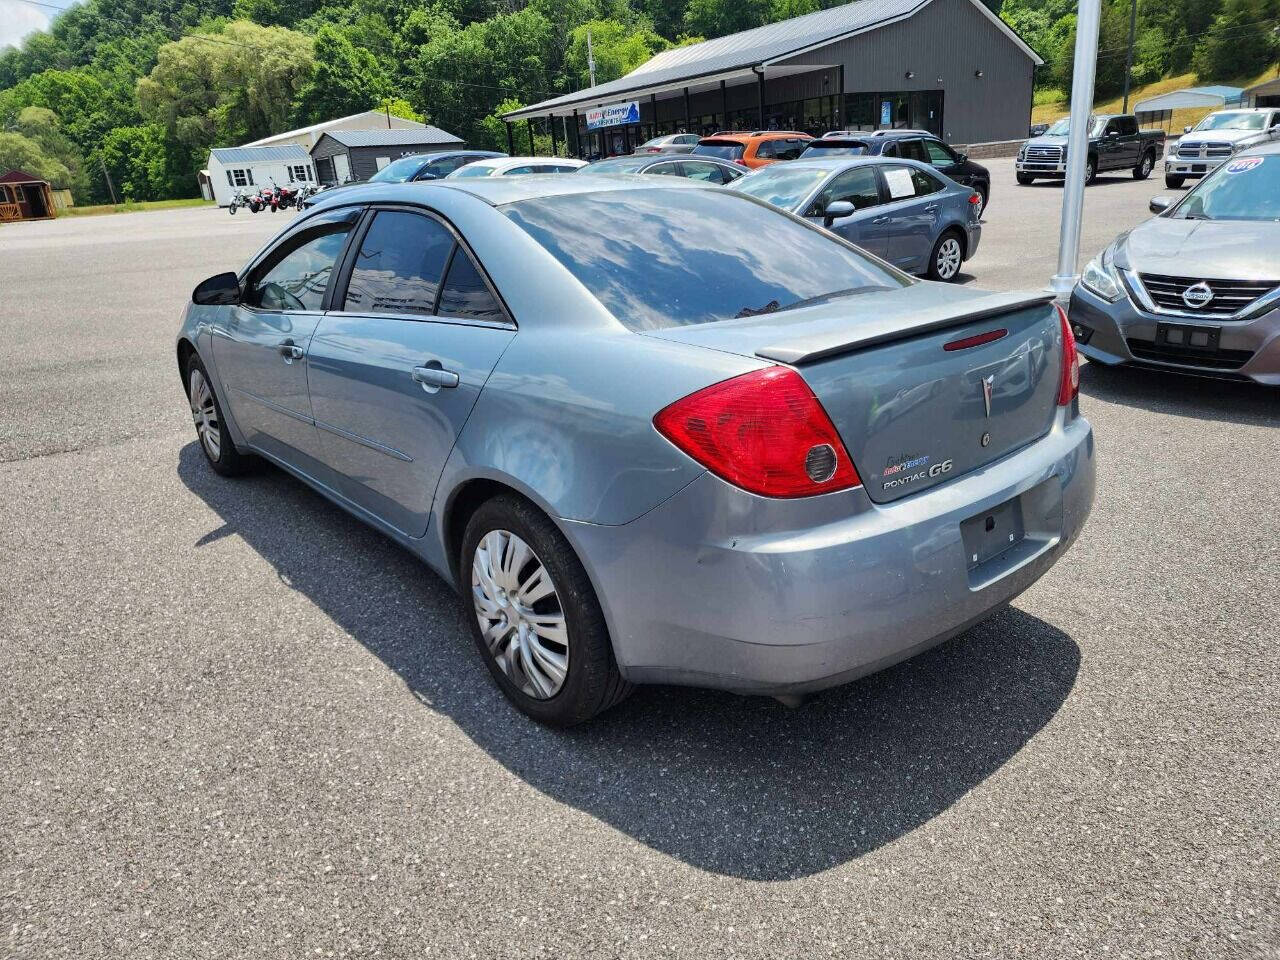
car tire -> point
(946, 257)
(1173, 183)
(211, 427)
(1025, 179)
(1090, 171)
(567, 675)
(1145, 166)
(982, 206)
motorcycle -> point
(237, 202)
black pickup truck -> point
(1115, 143)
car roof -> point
(840, 163)
(498, 191)
(744, 136)
(501, 160)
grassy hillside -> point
(1049, 108)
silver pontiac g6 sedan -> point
(652, 431)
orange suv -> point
(753, 149)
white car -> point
(1219, 136)
(515, 166)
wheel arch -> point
(185, 349)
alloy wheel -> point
(948, 262)
(204, 411)
(520, 614)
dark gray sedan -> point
(900, 210)
(1197, 288)
(706, 169)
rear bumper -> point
(1120, 333)
(719, 588)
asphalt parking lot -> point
(236, 723)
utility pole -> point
(110, 186)
(591, 59)
(1128, 62)
(387, 103)
(1082, 75)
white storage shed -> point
(251, 168)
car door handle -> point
(290, 351)
(931, 208)
(884, 219)
(433, 378)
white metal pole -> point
(591, 60)
(1082, 74)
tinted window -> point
(399, 265)
(517, 171)
(297, 280)
(664, 169)
(465, 293)
(658, 259)
(835, 148)
(791, 148)
(1127, 126)
(708, 172)
(473, 170)
(912, 150)
(721, 149)
(939, 154)
(767, 149)
(442, 167)
(859, 186)
(924, 183)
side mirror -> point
(427, 176)
(962, 158)
(1275, 130)
(836, 211)
(1187, 128)
(218, 291)
(1160, 204)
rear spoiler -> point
(828, 343)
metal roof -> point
(373, 117)
(392, 138)
(760, 46)
(1191, 97)
(293, 153)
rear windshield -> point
(397, 171)
(617, 165)
(665, 258)
(834, 148)
(724, 149)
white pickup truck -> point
(1218, 137)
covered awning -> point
(1191, 97)
(1267, 88)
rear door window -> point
(912, 150)
(925, 183)
(465, 294)
(665, 169)
(707, 172)
(399, 266)
(790, 148)
(767, 149)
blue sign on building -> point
(614, 115)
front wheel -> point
(211, 427)
(1026, 178)
(1144, 167)
(1173, 183)
(948, 254)
(233, 209)
(534, 615)
(1090, 170)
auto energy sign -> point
(614, 115)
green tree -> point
(1240, 43)
(41, 126)
(22, 153)
(138, 162)
(399, 108)
(617, 47)
(715, 18)
(227, 86)
(346, 79)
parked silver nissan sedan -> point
(1195, 289)
(653, 431)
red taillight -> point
(1070, 385)
(964, 343)
(765, 432)
(975, 199)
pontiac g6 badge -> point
(987, 383)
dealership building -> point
(948, 66)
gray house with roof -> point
(342, 155)
(948, 66)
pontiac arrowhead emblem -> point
(987, 383)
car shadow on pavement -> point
(739, 786)
(1227, 401)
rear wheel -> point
(535, 617)
(1173, 183)
(1026, 178)
(211, 428)
(948, 254)
(1145, 166)
(982, 200)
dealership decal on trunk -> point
(899, 464)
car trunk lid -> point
(924, 384)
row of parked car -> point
(902, 194)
